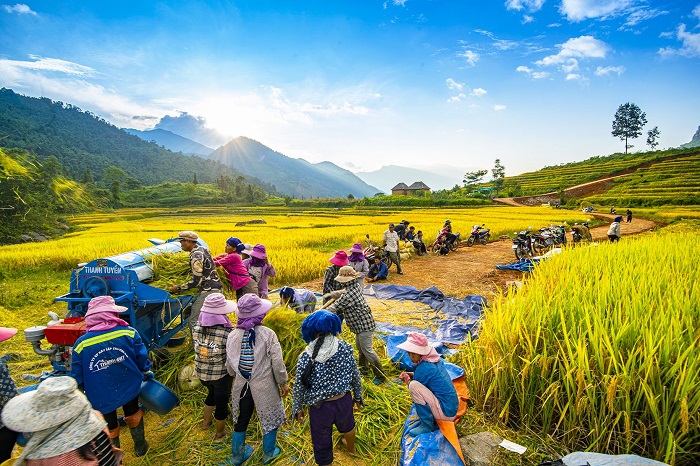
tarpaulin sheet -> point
(523, 265)
(432, 448)
(458, 319)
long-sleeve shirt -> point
(436, 379)
(235, 271)
(391, 239)
(336, 376)
(210, 351)
(378, 272)
(361, 267)
(614, 229)
(109, 365)
(204, 275)
(329, 282)
(352, 307)
(260, 275)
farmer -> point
(411, 233)
(235, 271)
(65, 429)
(245, 254)
(326, 373)
(108, 363)
(378, 271)
(629, 216)
(209, 337)
(614, 230)
(300, 300)
(419, 244)
(358, 262)
(203, 270)
(401, 229)
(260, 268)
(7, 392)
(339, 259)
(254, 357)
(431, 388)
(391, 245)
(352, 307)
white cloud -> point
(637, 15)
(540, 74)
(570, 66)
(554, 25)
(690, 48)
(523, 69)
(573, 77)
(579, 47)
(471, 56)
(457, 98)
(534, 74)
(452, 84)
(478, 92)
(399, 2)
(19, 8)
(499, 107)
(530, 5)
(604, 71)
(696, 11)
(579, 10)
(527, 19)
(46, 64)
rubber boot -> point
(208, 416)
(427, 421)
(270, 448)
(135, 423)
(240, 452)
(114, 437)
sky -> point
(366, 83)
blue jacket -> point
(436, 379)
(109, 366)
(382, 271)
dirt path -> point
(473, 270)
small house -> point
(402, 189)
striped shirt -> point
(245, 364)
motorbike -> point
(479, 235)
(542, 241)
(451, 244)
(372, 249)
(522, 244)
(580, 232)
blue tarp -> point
(432, 448)
(523, 265)
(450, 329)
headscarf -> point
(209, 320)
(356, 257)
(256, 262)
(103, 321)
(321, 321)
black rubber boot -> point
(139, 436)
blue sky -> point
(371, 83)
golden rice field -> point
(299, 243)
(600, 349)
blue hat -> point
(235, 243)
(618, 218)
(286, 292)
(321, 321)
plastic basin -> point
(156, 397)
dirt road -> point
(473, 270)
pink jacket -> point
(236, 272)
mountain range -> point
(172, 141)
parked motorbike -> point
(542, 241)
(372, 249)
(479, 235)
(522, 244)
(580, 232)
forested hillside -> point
(86, 145)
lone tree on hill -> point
(628, 123)
(652, 137)
(471, 179)
(499, 173)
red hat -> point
(6, 333)
(340, 258)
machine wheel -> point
(485, 239)
(470, 241)
(387, 260)
(95, 286)
(455, 244)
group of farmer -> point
(73, 419)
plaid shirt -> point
(329, 282)
(352, 307)
(203, 269)
(210, 351)
(7, 386)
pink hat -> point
(104, 304)
(259, 252)
(251, 305)
(216, 303)
(6, 333)
(416, 343)
(357, 247)
(340, 258)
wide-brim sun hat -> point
(340, 258)
(6, 333)
(55, 401)
(248, 249)
(100, 304)
(259, 252)
(321, 321)
(216, 303)
(416, 343)
(357, 247)
(187, 235)
(346, 274)
(251, 305)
